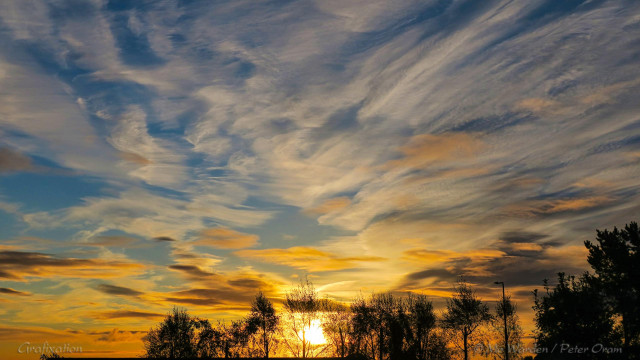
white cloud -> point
(41, 107)
(148, 158)
(142, 213)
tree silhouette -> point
(378, 323)
(235, 339)
(422, 337)
(363, 328)
(575, 313)
(52, 355)
(385, 326)
(514, 331)
(210, 341)
(177, 337)
(465, 313)
(264, 320)
(337, 328)
(616, 262)
(302, 308)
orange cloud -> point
(634, 155)
(307, 258)
(578, 204)
(575, 255)
(525, 246)
(330, 205)
(109, 343)
(537, 104)
(427, 149)
(232, 294)
(121, 314)
(222, 291)
(18, 264)
(593, 183)
(224, 238)
(135, 158)
(539, 207)
(435, 292)
(13, 161)
(437, 256)
(606, 95)
(22, 333)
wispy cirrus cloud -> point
(307, 258)
(477, 136)
(224, 238)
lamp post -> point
(504, 312)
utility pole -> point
(504, 312)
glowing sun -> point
(314, 334)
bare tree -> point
(302, 312)
(465, 313)
(506, 308)
(337, 327)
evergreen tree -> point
(616, 261)
(573, 313)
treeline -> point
(597, 313)
(382, 326)
(599, 308)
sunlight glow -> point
(314, 334)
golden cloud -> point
(307, 258)
(574, 255)
(606, 94)
(224, 238)
(222, 291)
(438, 256)
(427, 149)
(121, 314)
(18, 264)
(539, 207)
(537, 104)
(578, 204)
(526, 246)
(135, 158)
(634, 155)
(22, 333)
(329, 206)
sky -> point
(191, 153)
